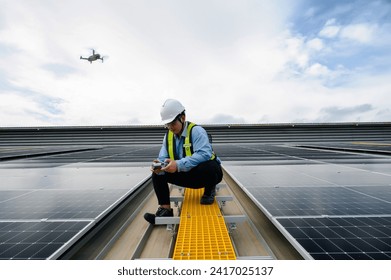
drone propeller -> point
(105, 57)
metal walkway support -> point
(202, 233)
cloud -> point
(227, 119)
(19, 110)
(343, 44)
(330, 29)
(335, 114)
(59, 70)
(272, 61)
(315, 44)
(362, 33)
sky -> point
(247, 61)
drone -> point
(93, 57)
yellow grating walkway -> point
(202, 233)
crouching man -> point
(186, 159)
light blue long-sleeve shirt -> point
(202, 149)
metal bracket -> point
(176, 200)
(170, 222)
(233, 220)
(220, 186)
(223, 199)
(180, 188)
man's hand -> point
(171, 166)
(156, 170)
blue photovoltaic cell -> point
(342, 238)
(64, 204)
(35, 240)
(332, 201)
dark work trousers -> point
(207, 174)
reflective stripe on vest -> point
(187, 146)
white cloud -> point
(295, 51)
(16, 110)
(232, 61)
(359, 32)
(315, 44)
(318, 69)
(330, 29)
(362, 33)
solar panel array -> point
(48, 202)
(329, 204)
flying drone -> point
(93, 57)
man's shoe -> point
(208, 199)
(161, 212)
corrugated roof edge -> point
(206, 125)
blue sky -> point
(227, 61)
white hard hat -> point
(170, 110)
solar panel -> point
(47, 203)
(342, 238)
(333, 205)
(318, 201)
(36, 239)
(64, 204)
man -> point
(188, 160)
